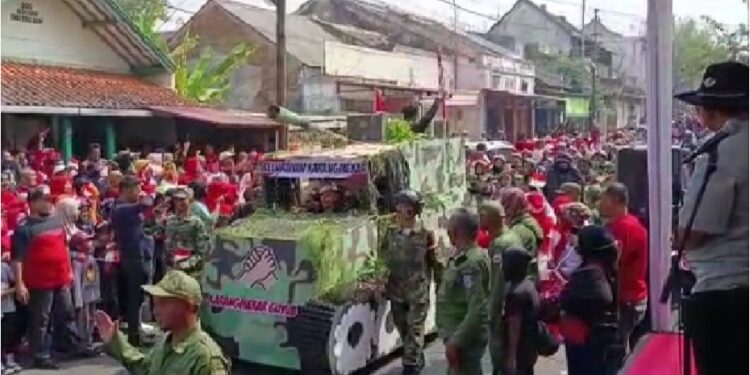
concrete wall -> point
(409, 70)
(253, 86)
(60, 38)
(528, 26)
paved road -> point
(436, 365)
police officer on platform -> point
(409, 251)
(462, 299)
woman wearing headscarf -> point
(522, 223)
(589, 308)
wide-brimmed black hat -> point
(724, 85)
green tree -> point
(201, 74)
(699, 43)
(207, 78)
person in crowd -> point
(632, 239)
(127, 225)
(12, 320)
(562, 171)
(186, 239)
(108, 259)
(198, 205)
(589, 305)
(522, 223)
(716, 244)
(86, 286)
(574, 217)
(410, 255)
(520, 315)
(246, 207)
(462, 298)
(186, 348)
(42, 267)
(491, 217)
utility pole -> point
(595, 55)
(455, 46)
(583, 34)
(281, 64)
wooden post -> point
(110, 141)
(67, 138)
(281, 64)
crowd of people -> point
(552, 255)
(86, 235)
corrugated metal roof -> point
(219, 117)
(304, 37)
(109, 22)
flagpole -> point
(659, 116)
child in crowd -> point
(86, 293)
(107, 258)
(12, 330)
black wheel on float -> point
(308, 333)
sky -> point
(624, 16)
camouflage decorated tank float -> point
(303, 291)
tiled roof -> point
(39, 85)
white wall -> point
(528, 26)
(409, 70)
(60, 39)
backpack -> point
(547, 344)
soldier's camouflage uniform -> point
(497, 296)
(186, 233)
(412, 263)
(462, 308)
(196, 354)
(531, 235)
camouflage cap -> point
(177, 284)
(182, 193)
(569, 187)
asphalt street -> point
(436, 365)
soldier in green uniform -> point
(186, 349)
(462, 299)
(591, 196)
(186, 239)
(522, 224)
(491, 219)
(409, 251)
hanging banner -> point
(312, 168)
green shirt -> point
(531, 235)
(187, 234)
(200, 210)
(497, 284)
(197, 354)
(462, 314)
(412, 264)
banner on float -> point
(315, 168)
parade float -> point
(303, 290)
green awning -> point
(577, 107)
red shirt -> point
(631, 274)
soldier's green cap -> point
(181, 193)
(177, 284)
(492, 208)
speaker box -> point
(366, 128)
(632, 170)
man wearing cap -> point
(410, 253)
(185, 349)
(491, 216)
(716, 245)
(462, 298)
(562, 171)
(186, 239)
(42, 266)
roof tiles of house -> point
(304, 37)
(50, 86)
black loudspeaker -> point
(632, 170)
